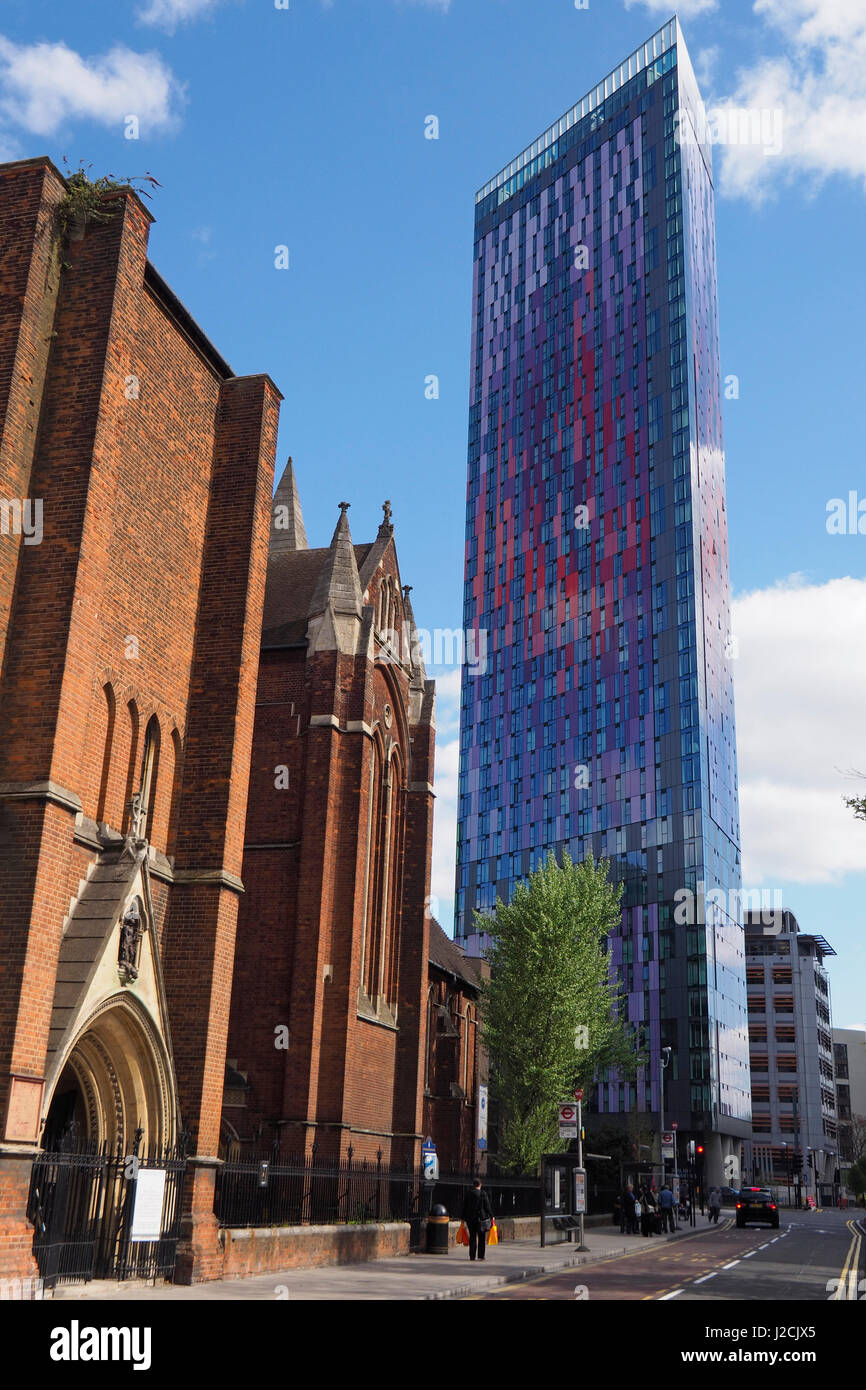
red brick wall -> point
(156, 499)
(29, 277)
(345, 1079)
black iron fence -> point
(308, 1190)
(82, 1206)
(508, 1196)
(278, 1190)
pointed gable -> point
(287, 521)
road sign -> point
(668, 1145)
(568, 1121)
(429, 1161)
(674, 1124)
(578, 1095)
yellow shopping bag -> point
(493, 1235)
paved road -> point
(813, 1256)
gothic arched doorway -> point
(115, 1080)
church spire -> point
(287, 521)
(338, 586)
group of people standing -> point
(648, 1213)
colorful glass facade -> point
(597, 565)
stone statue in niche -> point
(131, 929)
(136, 817)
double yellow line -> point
(846, 1290)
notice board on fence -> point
(149, 1200)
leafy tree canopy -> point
(550, 1009)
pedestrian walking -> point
(667, 1209)
(648, 1213)
(478, 1216)
(714, 1204)
(629, 1216)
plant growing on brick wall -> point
(550, 1011)
(84, 199)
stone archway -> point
(114, 1079)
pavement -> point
(407, 1277)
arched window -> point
(384, 878)
(102, 794)
(131, 732)
(468, 1051)
(149, 773)
(373, 887)
(391, 914)
(177, 777)
(431, 1040)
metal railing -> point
(281, 1190)
(308, 1190)
(81, 1204)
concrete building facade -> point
(795, 1139)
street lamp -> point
(787, 1170)
(665, 1061)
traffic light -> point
(691, 1151)
(699, 1150)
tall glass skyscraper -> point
(597, 566)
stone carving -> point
(131, 929)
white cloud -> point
(705, 63)
(686, 9)
(168, 14)
(442, 5)
(45, 85)
(818, 82)
(799, 682)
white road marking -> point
(665, 1296)
(749, 1256)
(731, 1265)
(763, 1247)
(705, 1277)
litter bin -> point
(437, 1231)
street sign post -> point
(429, 1161)
(568, 1120)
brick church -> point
(216, 755)
(328, 1017)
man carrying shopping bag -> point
(478, 1216)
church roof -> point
(446, 955)
(293, 577)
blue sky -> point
(305, 127)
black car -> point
(757, 1204)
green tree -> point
(856, 1178)
(550, 1012)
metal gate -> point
(82, 1202)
